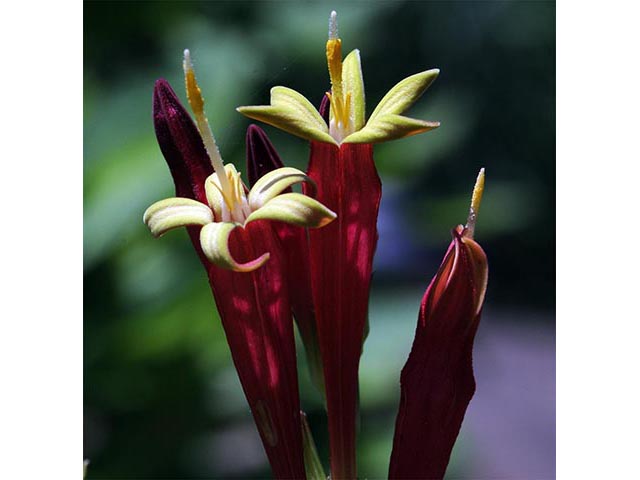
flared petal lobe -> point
(341, 262)
(177, 212)
(437, 381)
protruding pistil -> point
(333, 26)
(476, 199)
(194, 95)
(334, 61)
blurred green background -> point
(161, 397)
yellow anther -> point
(347, 110)
(194, 95)
(476, 199)
(228, 201)
(478, 190)
(334, 61)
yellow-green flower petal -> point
(291, 112)
(224, 207)
(214, 239)
(390, 127)
(296, 209)
(404, 94)
(274, 183)
(353, 84)
(214, 196)
(172, 213)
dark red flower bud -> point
(437, 381)
(261, 154)
(253, 306)
(180, 143)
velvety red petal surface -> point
(256, 315)
(254, 307)
(341, 260)
(262, 158)
(180, 143)
(183, 150)
(296, 245)
(437, 381)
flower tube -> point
(232, 232)
(341, 255)
(437, 381)
(262, 158)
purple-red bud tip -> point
(165, 101)
(262, 157)
(163, 86)
(180, 143)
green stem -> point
(312, 462)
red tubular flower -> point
(342, 167)
(437, 381)
(233, 235)
(341, 264)
(263, 158)
(256, 316)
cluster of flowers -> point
(273, 255)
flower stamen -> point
(194, 95)
(476, 199)
(334, 61)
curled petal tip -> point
(214, 239)
(253, 264)
(274, 183)
(294, 209)
(172, 213)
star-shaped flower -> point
(293, 113)
(230, 204)
(226, 211)
(234, 232)
(341, 163)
